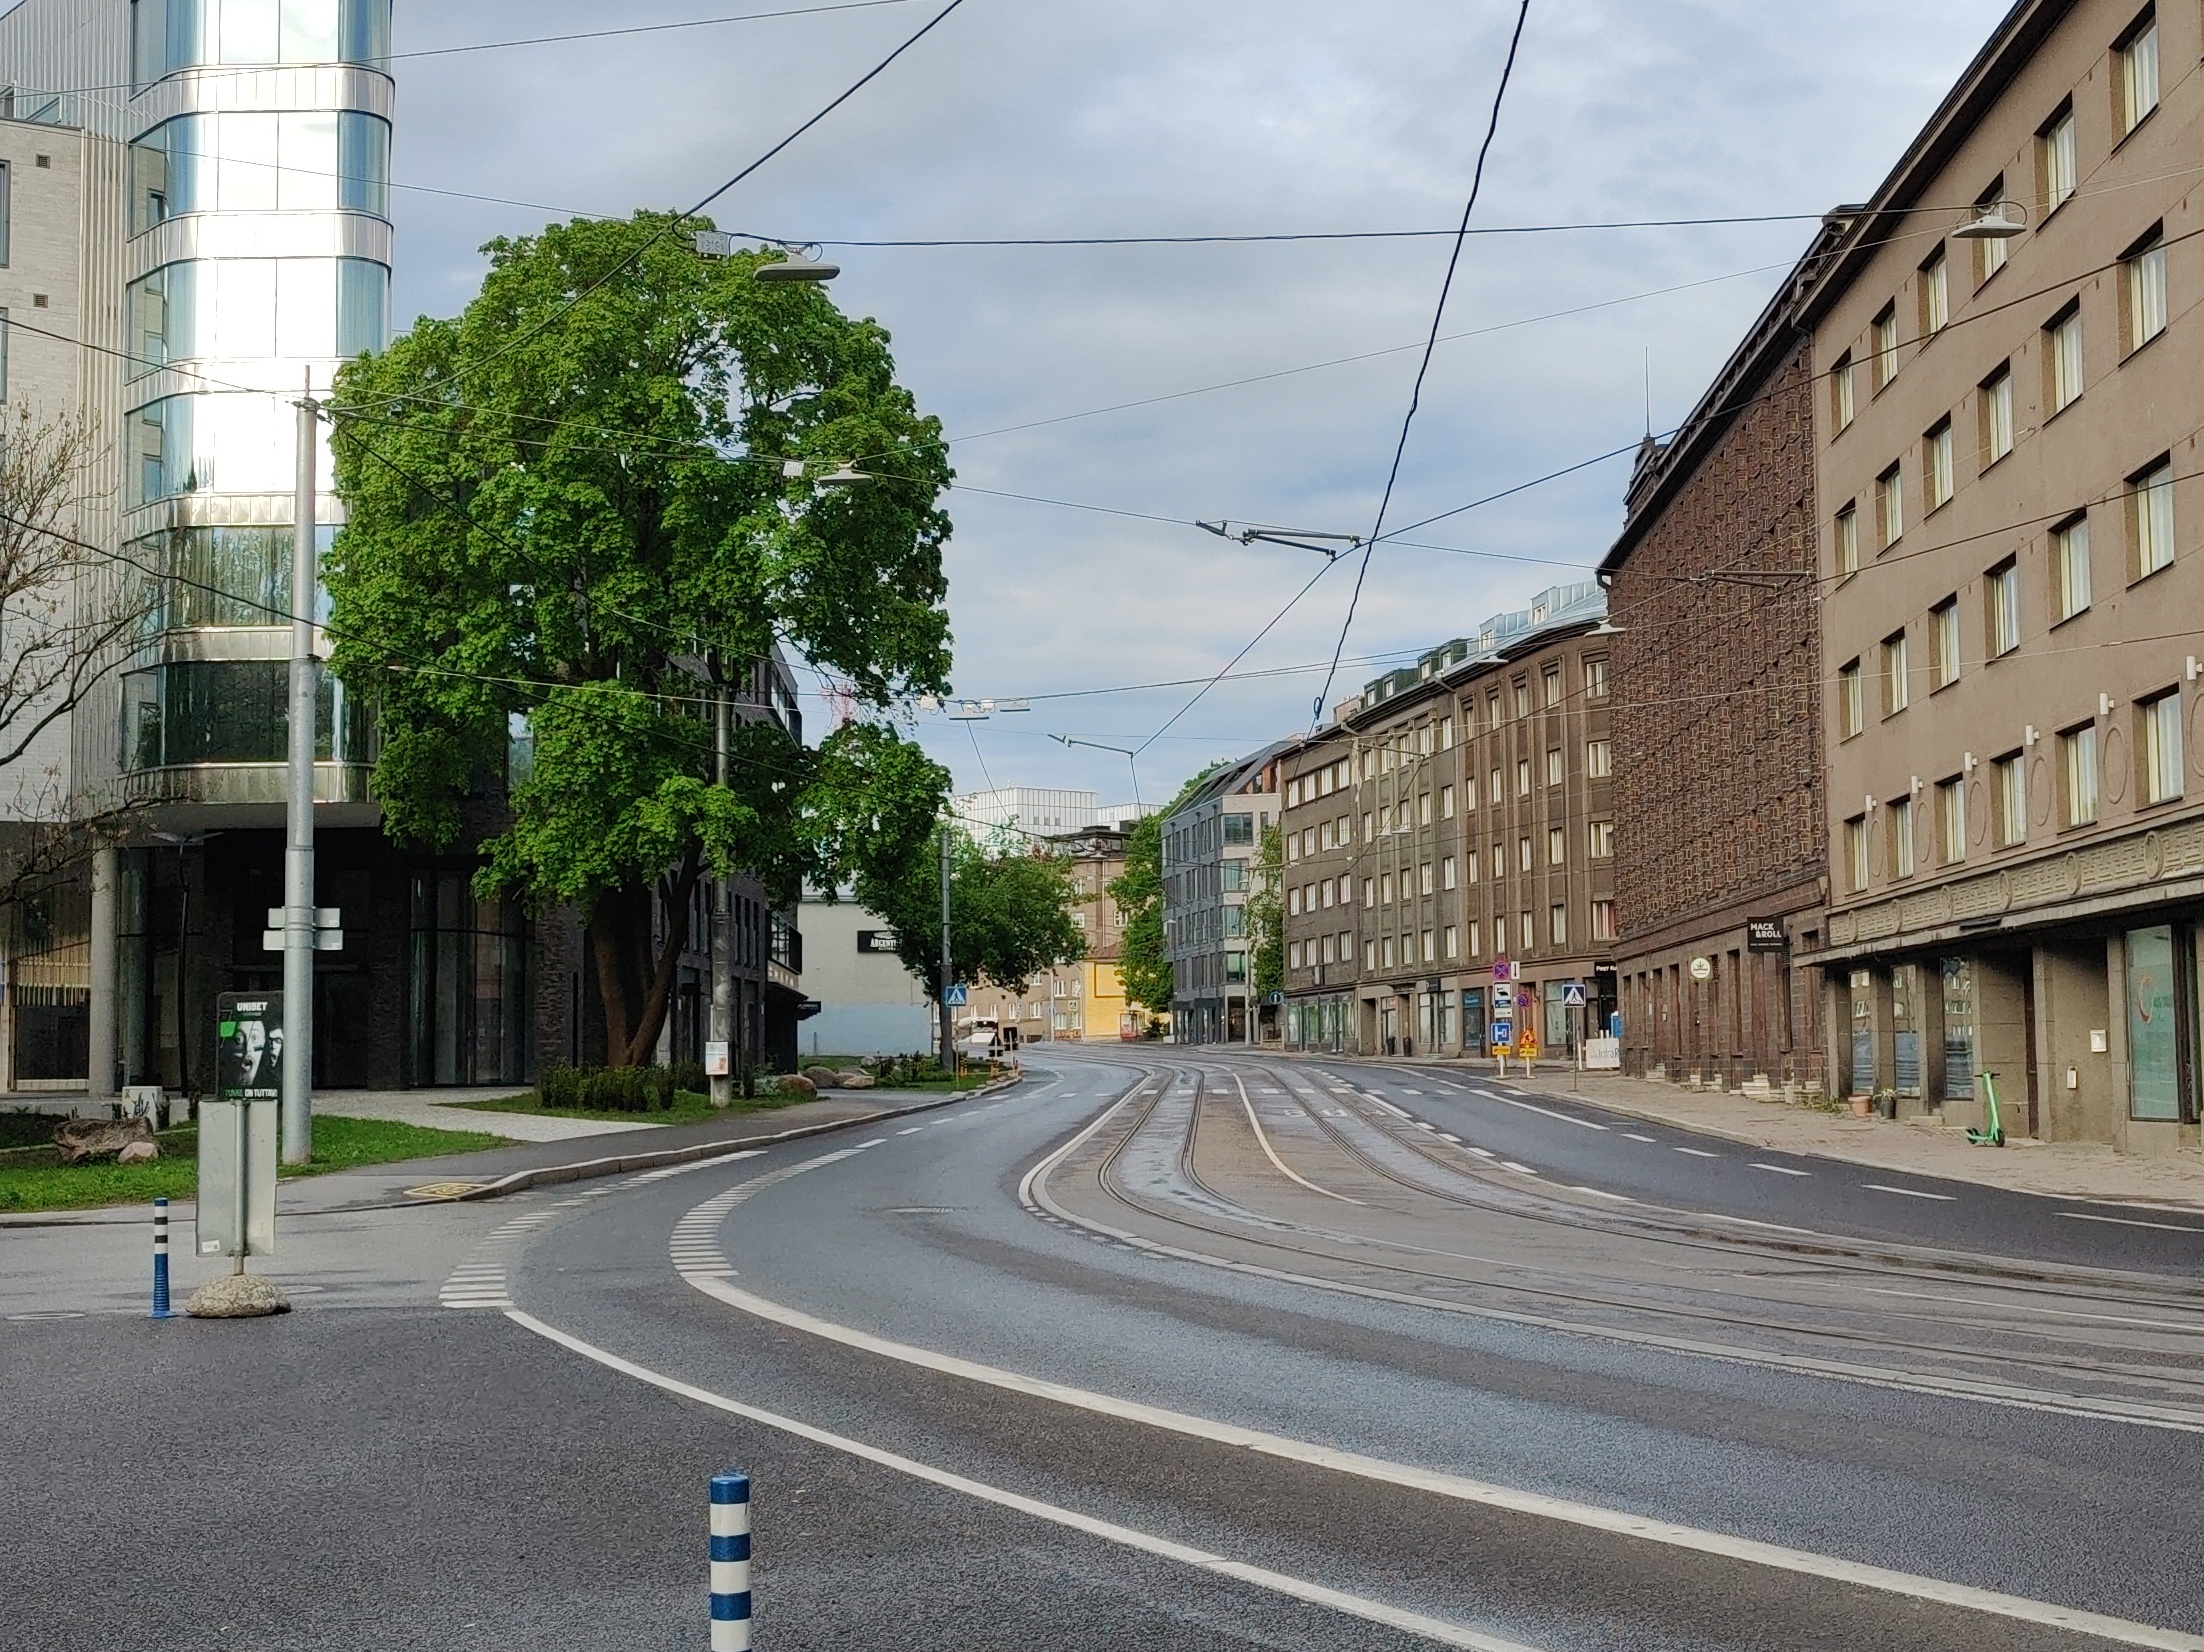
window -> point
(1890, 504)
(1469, 794)
(1239, 829)
(1901, 838)
(1476, 938)
(1897, 691)
(1390, 954)
(2139, 74)
(1522, 698)
(1557, 924)
(1369, 955)
(1855, 853)
(1523, 777)
(1944, 631)
(1453, 942)
(2062, 358)
(1369, 891)
(1525, 928)
(1936, 467)
(1991, 251)
(1430, 947)
(1293, 954)
(1848, 540)
(1599, 761)
(1599, 839)
(2001, 588)
(1385, 889)
(1446, 802)
(1423, 879)
(2143, 293)
(1851, 711)
(1554, 770)
(1935, 295)
(2055, 159)
(1603, 920)
(2078, 769)
(1367, 834)
(2150, 517)
(1500, 933)
(2161, 720)
(1423, 808)
(1235, 877)
(1557, 845)
(2070, 558)
(1951, 818)
(1595, 678)
(1886, 346)
(2012, 799)
(1842, 402)
(1523, 854)
(1497, 792)
(1553, 686)
(1996, 403)
(1447, 873)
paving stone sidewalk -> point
(1925, 1147)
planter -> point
(1862, 1106)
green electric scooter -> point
(1994, 1136)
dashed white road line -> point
(1910, 1192)
(1698, 1152)
(2122, 1221)
(1524, 1168)
(1632, 1135)
(912, 1131)
(1780, 1169)
(1565, 1118)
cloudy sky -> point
(1183, 117)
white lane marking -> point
(1270, 1153)
(1524, 1168)
(1484, 1152)
(1456, 1140)
(1602, 1193)
(1315, 1594)
(1388, 1106)
(1565, 1118)
(1698, 1152)
(912, 1131)
(2124, 1221)
(1910, 1192)
(1439, 1483)
(878, 1140)
(1780, 1169)
(1632, 1135)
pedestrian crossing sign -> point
(954, 995)
(1572, 995)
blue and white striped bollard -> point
(730, 1563)
(161, 1309)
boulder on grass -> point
(854, 1081)
(237, 1296)
(795, 1084)
(81, 1141)
(139, 1152)
(826, 1078)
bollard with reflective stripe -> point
(730, 1563)
(161, 1309)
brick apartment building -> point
(2008, 406)
(1721, 847)
(1452, 815)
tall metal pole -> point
(723, 974)
(948, 966)
(298, 801)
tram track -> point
(1305, 1243)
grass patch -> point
(689, 1107)
(33, 1178)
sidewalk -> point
(447, 1110)
(2066, 1170)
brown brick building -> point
(1721, 847)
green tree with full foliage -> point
(1010, 913)
(591, 505)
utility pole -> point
(723, 975)
(948, 966)
(299, 925)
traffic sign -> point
(954, 995)
(1503, 996)
(1502, 970)
(1503, 1035)
(1572, 995)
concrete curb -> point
(552, 1175)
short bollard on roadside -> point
(161, 1309)
(730, 1563)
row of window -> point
(2135, 91)
(1378, 890)
(2075, 774)
(168, 35)
(1445, 944)
(1338, 833)
(1439, 734)
(2148, 504)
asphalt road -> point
(1365, 1455)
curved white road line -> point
(1315, 1594)
(1270, 1153)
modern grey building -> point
(201, 224)
(1211, 845)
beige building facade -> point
(2012, 535)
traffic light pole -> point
(297, 1076)
(948, 966)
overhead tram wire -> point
(1323, 569)
(629, 260)
(1431, 345)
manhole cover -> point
(442, 1190)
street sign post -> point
(237, 1129)
(1572, 1000)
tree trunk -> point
(635, 978)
